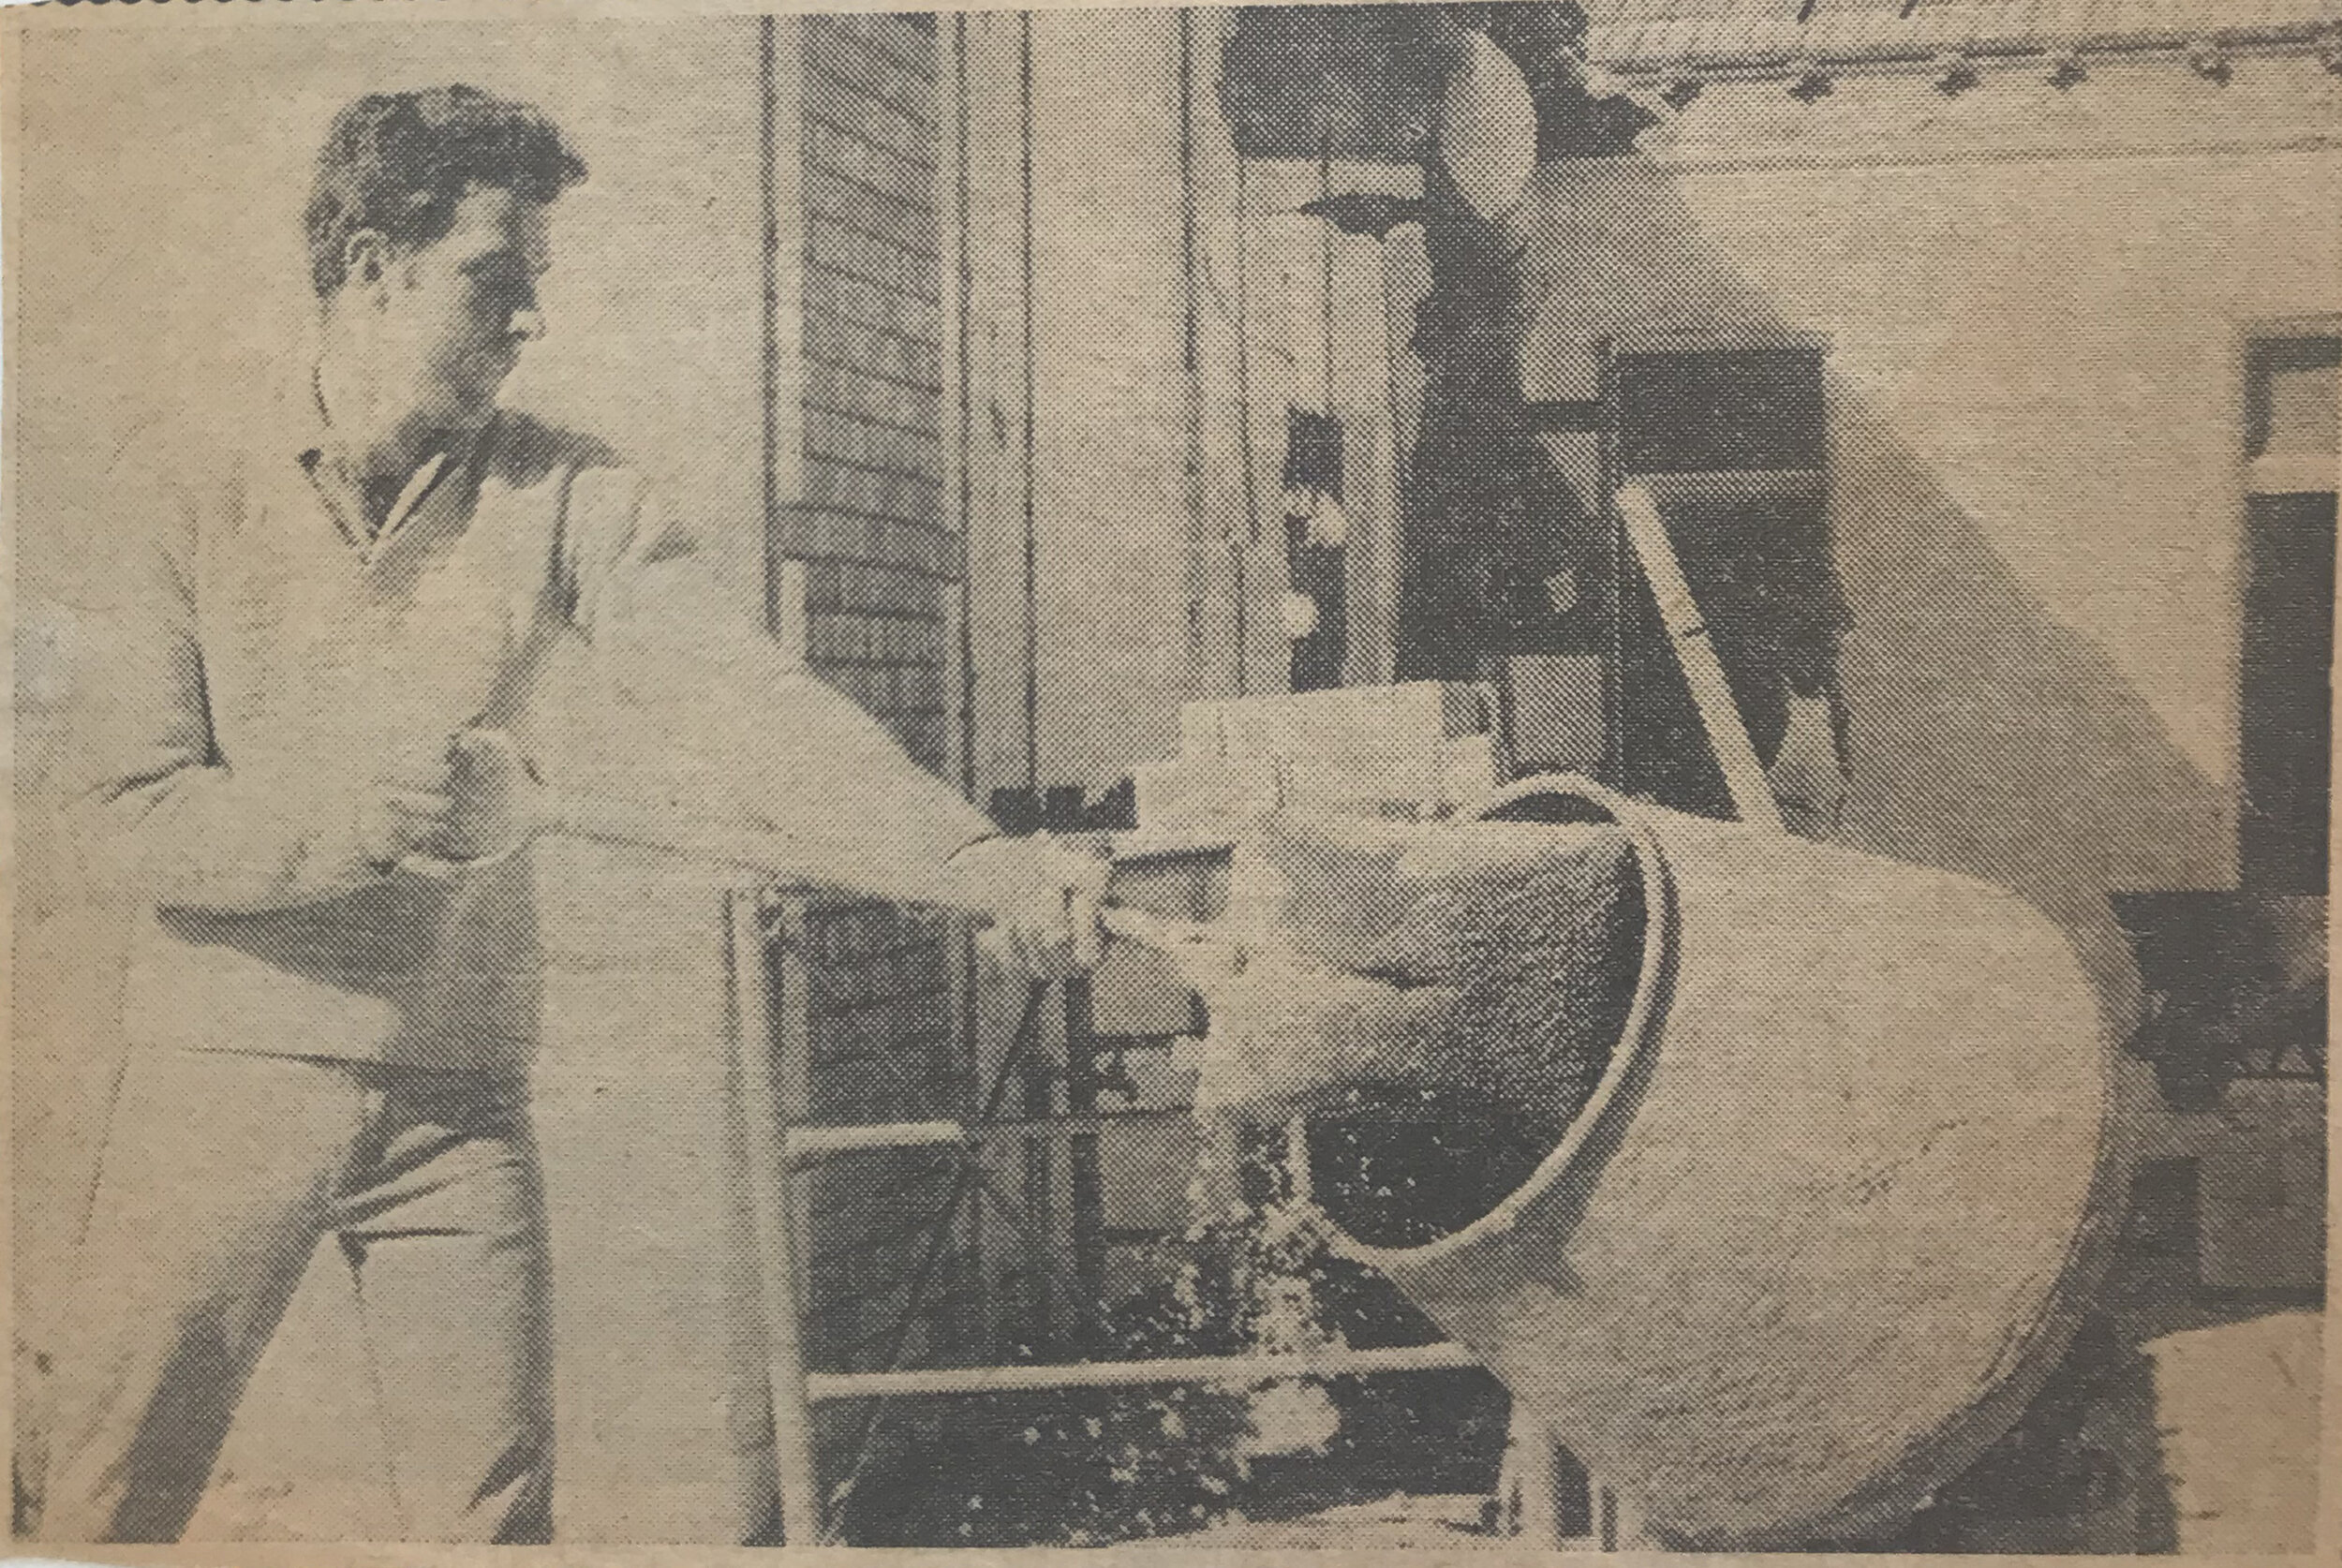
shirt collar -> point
(314, 426)
(318, 455)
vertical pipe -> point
(1240, 547)
(1326, 272)
(1040, 1157)
(966, 287)
(1191, 365)
(761, 1054)
(1032, 433)
(1620, 585)
(967, 996)
(769, 194)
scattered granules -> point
(1441, 999)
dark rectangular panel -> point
(1692, 412)
(2286, 703)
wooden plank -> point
(781, 203)
(951, 653)
(1407, 283)
(1733, 486)
(1696, 654)
(657, 1297)
(995, 457)
(773, 1064)
(1220, 521)
(1237, 1371)
(1362, 388)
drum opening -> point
(1402, 1166)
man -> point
(333, 987)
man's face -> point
(458, 310)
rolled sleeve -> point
(730, 728)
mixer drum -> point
(1827, 1219)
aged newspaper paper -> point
(1416, 779)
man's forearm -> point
(707, 738)
(706, 709)
(205, 839)
(854, 799)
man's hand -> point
(488, 782)
(1042, 898)
(464, 811)
(402, 819)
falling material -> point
(1438, 999)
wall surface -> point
(1118, 561)
(2058, 344)
(2033, 300)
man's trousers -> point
(221, 1175)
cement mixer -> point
(1825, 1219)
(1829, 1214)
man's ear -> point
(365, 259)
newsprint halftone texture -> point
(1420, 778)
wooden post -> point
(1696, 654)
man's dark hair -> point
(398, 163)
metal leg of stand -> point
(1528, 1499)
(772, 1199)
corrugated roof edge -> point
(1715, 44)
